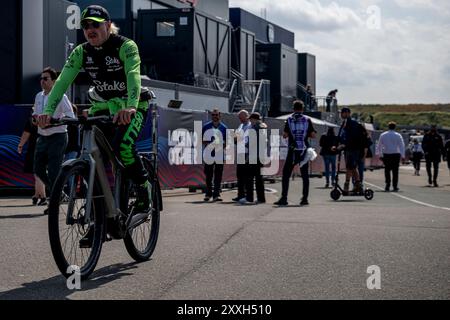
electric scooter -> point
(337, 191)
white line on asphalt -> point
(412, 200)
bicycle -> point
(92, 212)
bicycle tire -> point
(144, 254)
(80, 172)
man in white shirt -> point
(391, 148)
(242, 150)
(51, 143)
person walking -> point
(51, 143)
(298, 129)
(327, 141)
(433, 147)
(214, 132)
(417, 155)
(30, 134)
(391, 149)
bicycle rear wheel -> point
(73, 241)
(140, 242)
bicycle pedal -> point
(137, 219)
(87, 241)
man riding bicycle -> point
(113, 65)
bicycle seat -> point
(146, 94)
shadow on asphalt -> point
(55, 288)
(289, 206)
(350, 200)
(19, 206)
(211, 202)
(200, 202)
(23, 216)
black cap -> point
(255, 116)
(96, 13)
(345, 109)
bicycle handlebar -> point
(80, 120)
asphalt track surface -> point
(227, 251)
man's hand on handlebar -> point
(124, 116)
(43, 120)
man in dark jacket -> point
(352, 140)
(433, 147)
(255, 161)
(327, 142)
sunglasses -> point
(87, 25)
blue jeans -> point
(330, 160)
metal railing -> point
(211, 82)
(233, 96)
(236, 74)
(261, 103)
(250, 95)
(309, 99)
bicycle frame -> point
(94, 143)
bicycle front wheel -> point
(75, 242)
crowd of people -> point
(352, 139)
(48, 148)
(298, 131)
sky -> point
(372, 51)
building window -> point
(165, 29)
(262, 62)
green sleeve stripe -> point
(65, 79)
(129, 53)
